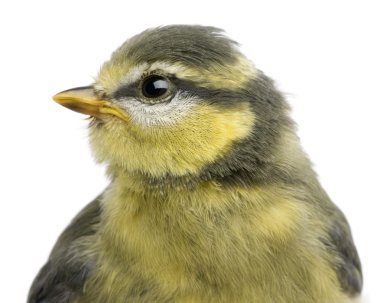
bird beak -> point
(84, 100)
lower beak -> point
(84, 100)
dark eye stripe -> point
(126, 91)
(221, 97)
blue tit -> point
(211, 198)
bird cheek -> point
(203, 136)
(211, 131)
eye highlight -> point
(155, 87)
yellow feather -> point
(203, 136)
(160, 238)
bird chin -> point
(99, 121)
(94, 122)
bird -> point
(211, 197)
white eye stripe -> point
(167, 113)
(159, 114)
(134, 74)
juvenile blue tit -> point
(211, 198)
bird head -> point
(182, 102)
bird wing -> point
(347, 265)
(62, 278)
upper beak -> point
(84, 100)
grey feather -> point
(61, 279)
(348, 265)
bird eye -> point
(155, 87)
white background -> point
(323, 54)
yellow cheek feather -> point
(200, 138)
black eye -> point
(155, 86)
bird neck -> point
(285, 163)
(196, 234)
